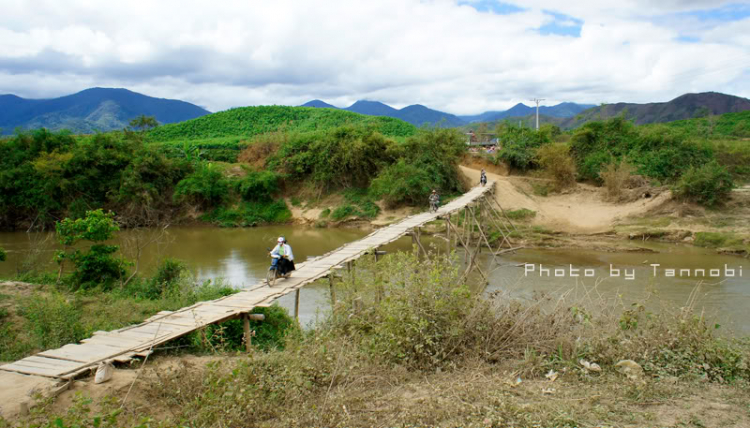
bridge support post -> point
(296, 305)
(415, 232)
(448, 235)
(467, 235)
(332, 290)
(246, 328)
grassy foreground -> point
(409, 344)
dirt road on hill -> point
(582, 211)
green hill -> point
(726, 125)
(246, 122)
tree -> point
(97, 266)
(143, 123)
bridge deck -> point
(138, 340)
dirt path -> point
(582, 212)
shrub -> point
(403, 183)
(258, 185)
(340, 157)
(519, 145)
(269, 334)
(53, 321)
(248, 214)
(3, 255)
(707, 185)
(357, 202)
(96, 266)
(557, 164)
(715, 239)
(615, 177)
(521, 214)
(206, 186)
(169, 271)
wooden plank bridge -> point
(139, 340)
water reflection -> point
(239, 256)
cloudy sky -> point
(460, 56)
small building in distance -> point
(481, 139)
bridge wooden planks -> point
(123, 344)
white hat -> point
(280, 240)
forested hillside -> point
(91, 110)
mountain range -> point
(419, 115)
(106, 109)
(686, 106)
(91, 110)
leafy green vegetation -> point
(709, 184)
(145, 177)
(426, 161)
(519, 145)
(246, 214)
(2, 255)
(716, 239)
(97, 266)
(247, 122)
(711, 127)
(206, 186)
(557, 164)
(357, 203)
(46, 176)
(520, 214)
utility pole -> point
(536, 100)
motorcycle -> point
(434, 206)
(274, 272)
(483, 180)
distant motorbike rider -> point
(483, 178)
(283, 252)
(434, 200)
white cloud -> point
(437, 53)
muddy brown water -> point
(239, 257)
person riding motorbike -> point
(434, 200)
(483, 177)
(282, 254)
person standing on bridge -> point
(283, 252)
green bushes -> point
(53, 321)
(520, 214)
(333, 159)
(258, 185)
(656, 151)
(357, 202)
(271, 333)
(708, 185)
(557, 164)
(96, 267)
(206, 186)
(424, 162)
(2, 255)
(250, 121)
(45, 176)
(519, 145)
(715, 240)
(246, 214)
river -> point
(239, 257)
